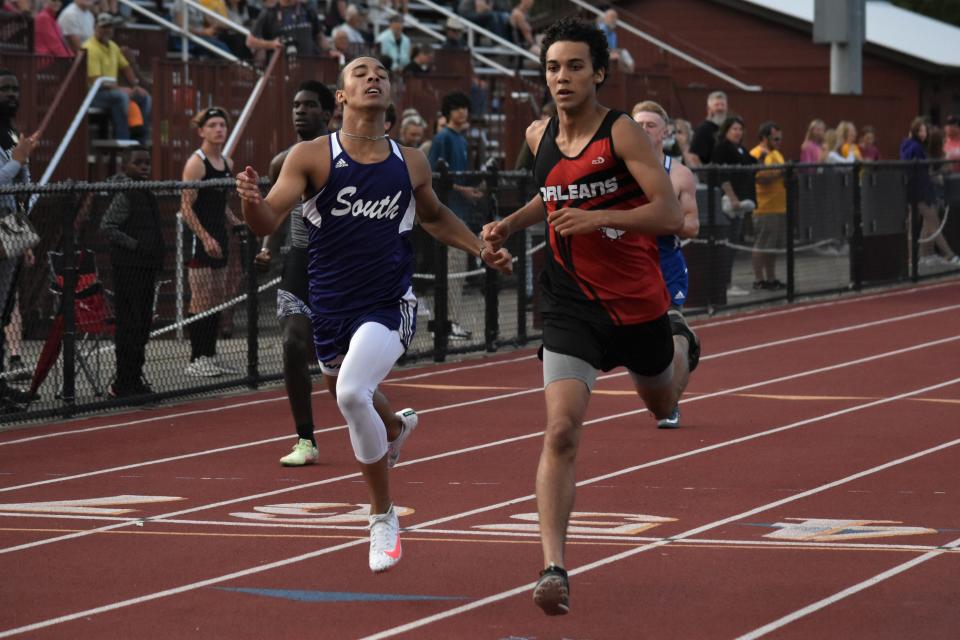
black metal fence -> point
(846, 227)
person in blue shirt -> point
(451, 146)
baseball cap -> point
(106, 19)
(454, 23)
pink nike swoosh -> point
(396, 551)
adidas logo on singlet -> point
(341, 163)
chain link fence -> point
(87, 302)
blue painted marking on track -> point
(337, 596)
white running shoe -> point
(408, 422)
(384, 541)
(672, 421)
(203, 367)
(304, 452)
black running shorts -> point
(645, 349)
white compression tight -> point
(373, 351)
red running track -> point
(811, 492)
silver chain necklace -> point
(370, 138)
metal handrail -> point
(183, 32)
(475, 27)
(74, 125)
(408, 19)
(63, 89)
(249, 106)
(236, 26)
(673, 50)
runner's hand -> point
(247, 186)
(499, 259)
(495, 234)
(571, 222)
(262, 260)
(212, 247)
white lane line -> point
(800, 308)
(316, 531)
(527, 436)
(242, 405)
(849, 591)
(256, 443)
(387, 633)
(494, 598)
(251, 403)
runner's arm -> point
(685, 185)
(264, 215)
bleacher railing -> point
(847, 228)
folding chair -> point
(92, 310)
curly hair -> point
(576, 30)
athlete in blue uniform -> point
(361, 191)
(653, 118)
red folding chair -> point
(93, 315)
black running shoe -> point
(679, 327)
(552, 593)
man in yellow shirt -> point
(104, 59)
(770, 216)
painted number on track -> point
(826, 530)
(109, 506)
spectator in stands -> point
(485, 14)
(868, 144)
(921, 196)
(830, 149)
(812, 146)
(737, 186)
(450, 146)
(335, 15)
(951, 143)
(357, 26)
(412, 129)
(18, 6)
(104, 59)
(607, 23)
(199, 26)
(343, 50)
(48, 38)
(706, 135)
(770, 216)
(289, 25)
(454, 32)
(683, 134)
(421, 63)
(207, 215)
(15, 152)
(77, 23)
(239, 13)
(132, 227)
(395, 43)
(849, 149)
(520, 24)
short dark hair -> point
(327, 100)
(572, 29)
(767, 128)
(453, 101)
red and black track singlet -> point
(608, 276)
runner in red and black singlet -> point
(609, 276)
(606, 198)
